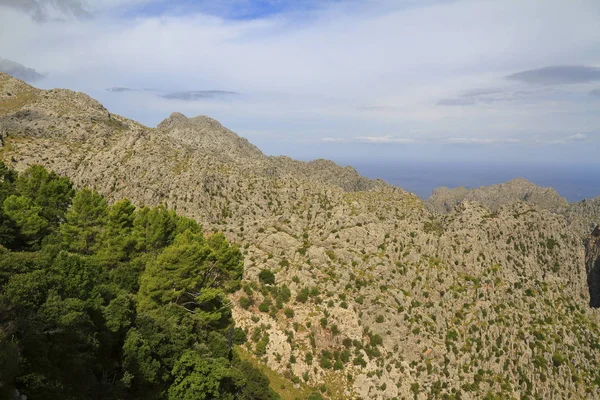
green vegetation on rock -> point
(103, 301)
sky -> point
(516, 81)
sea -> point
(573, 181)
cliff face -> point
(592, 264)
(387, 299)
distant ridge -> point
(443, 200)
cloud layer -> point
(558, 75)
(402, 73)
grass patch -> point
(282, 386)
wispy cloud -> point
(334, 140)
(119, 89)
(45, 10)
(477, 140)
(198, 95)
(459, 101)
(385, 139)
(558, 75)
(578, 137)
(595, 92)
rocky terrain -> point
(376, 294)
(443, 200)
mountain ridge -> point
(386, 298)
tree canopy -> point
(102, 301)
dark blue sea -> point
(575, 182)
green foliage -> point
(112, 302)
(289, 313)
(85, 220)
(267, 277)
(558, 359)
(302, 296)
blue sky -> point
(456, 80)
(228, 9)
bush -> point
(264, 306)
(325, 362)
(245, 302)
(376, 340)
(558, 359)
(267, 277)
(289, 312)
(335, 330)
(239, 336)
(359, 361)
(302, 296)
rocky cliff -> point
(493, 197)
(376, 294)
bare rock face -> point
(592, 263)
(585, 215)
(387, 298)
(495, 196)
(208, 135)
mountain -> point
(351, 285)
(19, 70)
(493, 197)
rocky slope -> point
(443, 199)
(592, 263)
(375, 295)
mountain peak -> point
(177, 119)
(494, 196)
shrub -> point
(376, 340)
(558, 359)
(267, 277)
(239, 336)
(325, 362)
(245, 302)
(345, 355)
(335, 330)
(302, 296)
(308, 358)
(359, 361)
(289, 312)
(264, 306)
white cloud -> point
(377, 66)
(465, 140)
(387, 139)
(576, 138)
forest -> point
(111, 301)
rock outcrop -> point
(376, 297)
(592, 263)
(493, 197)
